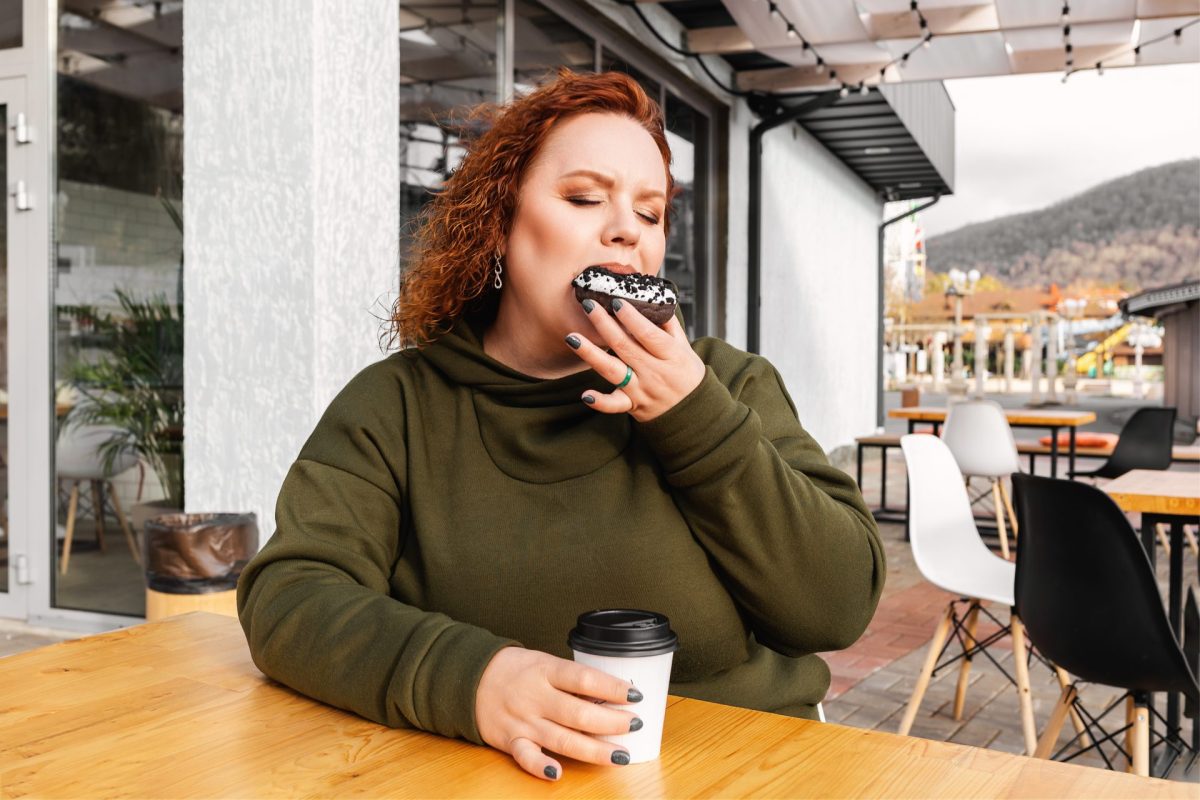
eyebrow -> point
(605, 180)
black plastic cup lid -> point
(624, 633)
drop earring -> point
(499, 282)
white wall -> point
(819, 298)
(291, 215)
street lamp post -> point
(961, 284)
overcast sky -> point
(1027, 141)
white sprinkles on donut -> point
(644, 288)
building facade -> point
(209, 210)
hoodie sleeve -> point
(789, 533)
(315, 604)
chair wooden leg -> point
(935, 648)
(1000, 521)
(1020, 662)
(72, 508)
(1064, 680)
(1012, 515)
(964, 670)
(130, 539)
(1129, 731)
(1191, 540)
(98, 512)
(1163, 540)
(1066, 701)
(1141, 739)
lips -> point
(620, 269)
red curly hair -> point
(470, 218)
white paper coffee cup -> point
(637, 646)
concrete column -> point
(291, 213)
(939, 360)
(1035, 363)
(981, 355)
(1052, 361)
(1009, 352)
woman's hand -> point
(527, 700)
(665, 368)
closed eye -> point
(584, 201)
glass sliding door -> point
(118, 324)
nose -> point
(621, 227)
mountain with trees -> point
(1138, 231)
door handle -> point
(22, 200)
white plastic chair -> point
(978, 435)
(78, 458)
(948, 551)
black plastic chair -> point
(1145, 443)
(1088, 596)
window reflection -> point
(543, 42)
(118, 292)
(447, 63)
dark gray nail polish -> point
(551, 773)
(574, 341)
(620, 757)
(635, 724)
(617, 305)
(589, 305)
(634, 696)
(589, 399)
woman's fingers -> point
(657, 342)
(530, 758)
(589, 717)
(607, 366)
(573, 744)
(575, 678)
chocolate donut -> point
(655, 298)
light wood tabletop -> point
(1034, 417)
(177, 709)
(1156, 491)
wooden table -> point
(1173, 498)
(176, 709)
(1017, 418)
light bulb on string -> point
(804, 45)
(863, 89)
(844, 91)
(774, 10)
(904, 61)
(1099, 68)
(928, 39)
(820, 65)
(1066, 13)
(1066, 33)
(1179, 36)
(791, 32)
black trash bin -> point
(193, 562)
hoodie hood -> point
(535, 430)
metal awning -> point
(1152, 301)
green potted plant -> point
(135, 387)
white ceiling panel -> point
(966, 56)
(821, 21)
(1032, 13)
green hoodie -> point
(447, 506)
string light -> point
(928, 39)
(792, 34)
(844, 91)
(863, 89)
(1066, 13)
(1136, 50)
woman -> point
(464, 500)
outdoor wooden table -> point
(1017, 418)
(1166, 497)
(177, 709)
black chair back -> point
(1145, 443)
(1087, 593)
